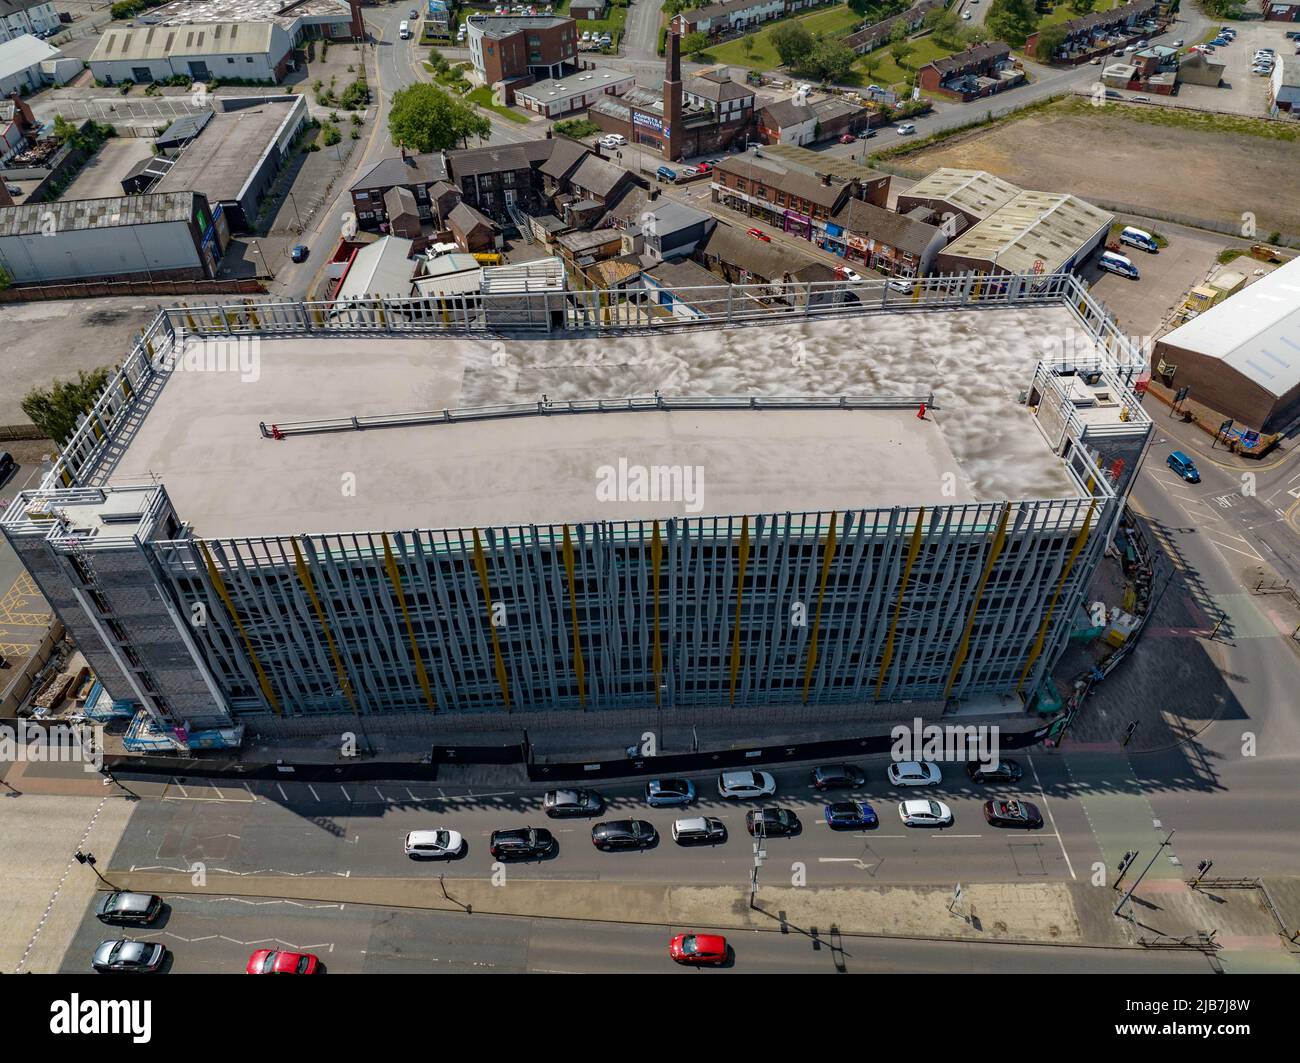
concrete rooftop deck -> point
(201, 437)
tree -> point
(1050, 38)
(54, 410)
(1082, 7)
(427, 119)
(900, 50)
(792, 42)
(829, 60)
(944, 25)
(1011, 20)
(747, 44)
(694, 43)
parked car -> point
(844, 273)
(848, 138)
(1012, 813)
(269, 961)
(7, 465)
(924, 814)
(299, 253)
(667, 173)
(906, 129)
(521, 843)
(741, 784)
(690, 171)
(914, 773)
(1118, 264)
(414, 14)
(1002, 771)
(623, 834)
(562, 803)
(850, 815)
(1176, 44)
(1135, 237)
(133, 908)
(965, 15)
(1183, 466)
(613, 140)
(704, 167)
(758, 234)
(698, 948)
(837, 777)
(430, 844)
(665, 793)
(128, 957)
(772, 821)
(901, 284)
(702, 830)
(1095, 60)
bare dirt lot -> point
(1189, 167)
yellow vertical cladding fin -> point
(1080, 541)
(224, 595)
(913, 549)
(309, 585)
(579, 669)
(999, 540)
(656, 562)
(480, 565)
(740, 601)
(828, 552)
(395, 578)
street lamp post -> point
(89, 858)
(1159, 849)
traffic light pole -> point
(1160, 849)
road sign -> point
(1182, 393)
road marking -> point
(313, 791)
(1250, 551)
(941, 834)
(1043, 797)
(345, 792)
(283, 796)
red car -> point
(758, 234)
(848, 138)
(268, 961)
(704, 167)
(698, 948)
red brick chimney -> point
(673, 97)
(26, 120)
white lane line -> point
(251, 795)
(312, 789)
(283, 796)
(942, 835)
(1059, 840)
(1250, 552)
(345, 792)
(182, 789)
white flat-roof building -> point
(576, 92)
(18, 17)
(23, 63)
(1242, 356)
(304, 19)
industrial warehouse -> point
(579, 516)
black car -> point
(775, 821)
(1005, 812)
(837, 777)
(122, 907)
(7, 465)
(526, 843)
(128, 957)
(299, 253)
(624, 834)
(561, 803)
(1002, 771)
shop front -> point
(798, 224)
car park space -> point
(1242, 91)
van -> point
(404, 30)
(1183, 467)
(665, 173)
(1138, 238)
(438, 250)
(1113, 263)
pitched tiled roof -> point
(896, 230)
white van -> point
(404, 30)
(1138, 238)
(1113, 263)
(438, 250)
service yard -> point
(1157, 161)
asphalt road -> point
(212, 935)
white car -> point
(906, 128)
(1176, 44)
(924, 813)
(690, 171)
(586, 35)
(613, 140)
(914, 773)
(965, 14)
(900, 284)
(847, 274)
(431, 844)
(738, 784)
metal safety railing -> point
(546, 407)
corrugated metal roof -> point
(383, 268)
(22, 53)
(29, 219)
(1035, 227)
(162, 42)
(1256, 332)
(976, 192)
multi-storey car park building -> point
(489, 504)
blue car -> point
(666, 793)
(847, 815)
